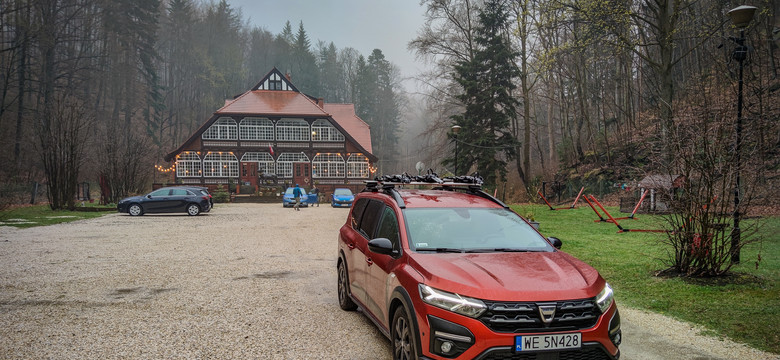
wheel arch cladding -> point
(401, 298)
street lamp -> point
(740, 17)
(455, 131)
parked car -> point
(288, 200)
(189, 199)
(342, 198)
(454, 273)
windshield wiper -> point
(441, 250)
(500, 250)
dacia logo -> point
(547, 312)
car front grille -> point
(518, 317)
(586, 353)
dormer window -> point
(274, 84)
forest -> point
(583, 92)
(106, 88)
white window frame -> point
(327, 165)
(284, 163)
(323, 130)
(188, 164)
(224, 128)
(220, 164)
(258, 129)
(292, 130)
(358, 166)
(265, 162)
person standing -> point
(297, 195)
(316, 193)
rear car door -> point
(365, 231)
(380, 266)
(353, 239)
(178, 201)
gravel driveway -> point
(245, 281)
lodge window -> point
(274, 84)
(256, 129)
(284, 164)
(323, 130)
(327, 165)
(292, 130)
(220, 165)
(223, 129)
(265, 162)
(188, 164)
(357, 166)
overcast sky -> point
(365, 25)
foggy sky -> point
(365, 25)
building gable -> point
(275, 81)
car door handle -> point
(369, 261)
(351, 246)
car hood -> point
(132, 198)
(532, 276)
(343, 197)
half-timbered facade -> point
(274, 131)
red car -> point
(453, 273)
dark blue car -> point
(189, 199)
(342, 198)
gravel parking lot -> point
(245, 281)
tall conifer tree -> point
(485, 140)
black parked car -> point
(190, 199)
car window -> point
(179, 192)
(471, 229)
(370, 217)
(161, 192)
(388, 227)
(357, 212)
(342, 192)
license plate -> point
(548, 342)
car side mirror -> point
(382, 246)
(556, 243)
(149, 196)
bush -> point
(221, 195)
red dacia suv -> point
(450, 272)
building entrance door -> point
(302, 174)
(248, 174)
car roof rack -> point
(388, 184)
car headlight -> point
(605, 298)
(453, 302)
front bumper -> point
(470, 339)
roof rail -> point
(388, 183)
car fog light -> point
(446, 347)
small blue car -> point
(289, 200)
(342, 198)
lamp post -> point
(740, 17)
(455, 131)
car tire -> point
(402, 336)
(135, 210)
(193, 209)
(345, 302)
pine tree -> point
(487, 81)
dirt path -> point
(244, 281)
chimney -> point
(287, 75)
(321, 103)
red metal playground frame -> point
(614, 221)
(573, 204)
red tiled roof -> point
(269, 102)
(344, 115)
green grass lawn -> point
(744, 306)
(40, 215)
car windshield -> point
(471, 230)
(290, 191)
(342, 192)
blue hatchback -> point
(289, 200)
(342, 198)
